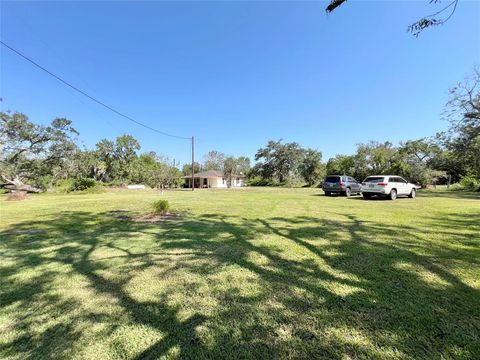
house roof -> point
(209, 173)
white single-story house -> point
(213, 179)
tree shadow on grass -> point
(299, 287)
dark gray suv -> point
(341, 184)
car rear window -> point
(373, 179)
(332, 179)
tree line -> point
(35, 157)
(453, 155)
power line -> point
(91, 97)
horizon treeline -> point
(41, 156)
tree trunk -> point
(16, 185)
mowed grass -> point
(251, 274)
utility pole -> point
(193, 163)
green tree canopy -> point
(118, 156)
(28, 150)
(311, 167)
(187, 168)
(213, 160)
(462, 140)
(278, 161)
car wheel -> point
(327, 193)
(393, 194)
(413, 193)
(348, 192)
(366, 196)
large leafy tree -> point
(235, 166)
(29, 151)
(154, 171)
(376, 158)
(462, 140)
(278, 161)
(230, 168)
(243, 165)
(341, 164)
(417, 159)
(214, 160)
(370, 158)
(87, 164)
(187, 168)
(311, 167)
(126, 147)
(118, 156)
(144, 170)
(105, 151)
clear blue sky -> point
(237, 74)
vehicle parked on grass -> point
(390, 186)
(341, 184)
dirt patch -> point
(153, 218)
(144, 218)
(17, 196)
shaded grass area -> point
(252, 274)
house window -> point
(223, 180)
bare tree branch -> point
(417, 27)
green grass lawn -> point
(253, 273)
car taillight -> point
(342, 183)
(382, 184)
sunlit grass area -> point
(248, 273)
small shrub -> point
(259, 181)
(83, 184)
(161, 207)
(470, 183)
(456, 187)
(64, 186)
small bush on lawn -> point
(161, 207)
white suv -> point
(387, 185)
